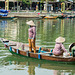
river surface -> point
(46, 33)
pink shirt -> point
(58, 47)
(32, 32)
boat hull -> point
(40, 56)
(6, 17)
(51, 17)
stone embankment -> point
(24, 14)
(35, 14)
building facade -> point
(37, 5)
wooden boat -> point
(61, 17)
(50, 17)
(3, 14)
(6, 17)
(42, 53)
(70, 16)
(3, 11)
(66, 16)
(42, 16)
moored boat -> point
(61, 17)
(41, 53)
(70, 16)
(50, 17)
(6, 17)
(66, 16)
(3, 12)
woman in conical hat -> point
(59, 48)
(31, 23)
(32, 35)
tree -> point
(27, 1)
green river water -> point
(46, 33)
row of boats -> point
(43, 17)
(4, 15)
(60, 17)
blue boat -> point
(3, 11)
(3, 14)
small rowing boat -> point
(22, 49)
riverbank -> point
(38, 14)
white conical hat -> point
(31, 23)
(5, 40)
(60, 40)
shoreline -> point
(36, 14)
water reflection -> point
(3, 25)
(30, 66)
(62, 27)
(47, 31)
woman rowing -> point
(32, 35)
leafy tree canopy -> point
(29, 1)
(26, 1)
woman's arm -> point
(34, 32)
(63, 48)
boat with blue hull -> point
(3, 12)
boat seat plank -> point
(45, 53)
(12, 44)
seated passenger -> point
(59, 47)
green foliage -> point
(62, 0)
(26, 1)
(29, 1)
(42, 0)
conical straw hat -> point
(31, 23)
(60, 40)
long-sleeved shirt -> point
(58, 48)
(32, 32)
